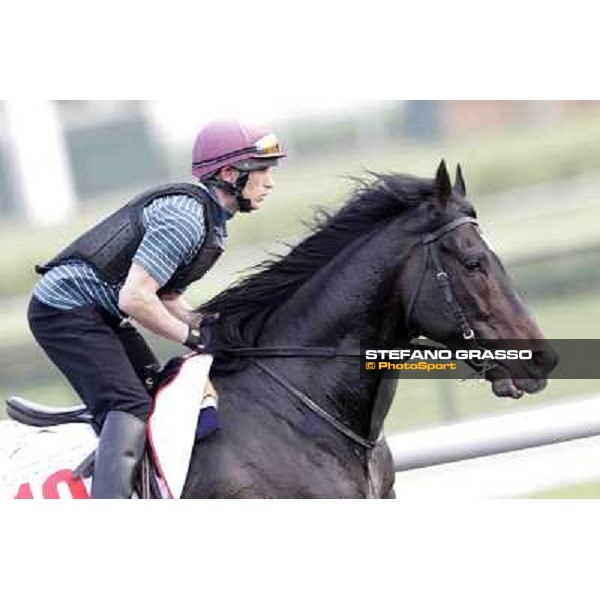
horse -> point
(403, 258)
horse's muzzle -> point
(513, 379)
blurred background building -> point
(532, 170)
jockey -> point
(136, 264)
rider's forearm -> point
(180, 309)
(147, 309)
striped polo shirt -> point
(174, 231)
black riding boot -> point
(121, 448)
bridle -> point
(431, 256)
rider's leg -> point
(121, 448)
(140, 354)
(84, 345)
(123, 437)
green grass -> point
(584, 491)
(517, 232)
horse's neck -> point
(340, 307)
(341, 302)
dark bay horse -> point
(403, 258)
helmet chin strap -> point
(244, 204)
(236, 190)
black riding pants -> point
(104, 361)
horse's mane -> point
(245, 306)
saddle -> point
(181, 414)
(39, 415)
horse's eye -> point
(474, 265)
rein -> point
(314, 407)
(432, 255)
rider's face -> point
(260, 185)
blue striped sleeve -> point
(174, 230)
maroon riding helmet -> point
(222, 143)
(230, 143)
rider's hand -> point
(200, 335)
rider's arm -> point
(138, 298)
(174, 231)
(180, 308)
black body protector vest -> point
(111, 245)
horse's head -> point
(461, 294)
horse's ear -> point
(443, 186)
(459, 185)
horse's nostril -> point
(545, 360)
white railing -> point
(504, 455)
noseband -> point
(431, 255)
